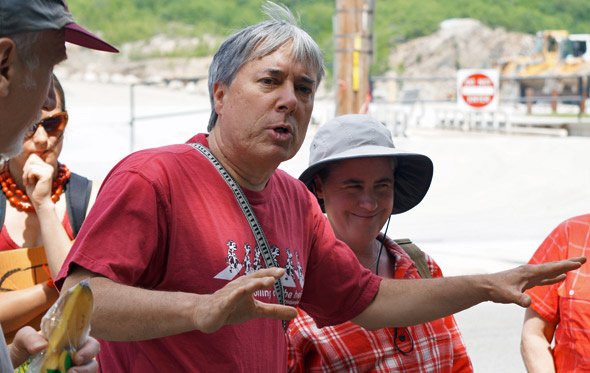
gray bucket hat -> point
(20, 16)
(359, 136)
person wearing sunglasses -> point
(356, 173)
(42, 204)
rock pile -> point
(458, 44)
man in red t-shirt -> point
(175, 267)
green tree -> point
(396, 21)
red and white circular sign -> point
(478, 89)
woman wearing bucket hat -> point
(360, 179)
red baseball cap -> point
(78, 35)
(20, 16)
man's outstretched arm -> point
(410, 302)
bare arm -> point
(410, 302)
(21, 306)
(125, 313)
(535, 344)
(38, 178)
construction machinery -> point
(559, 66)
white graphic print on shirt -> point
(234, 268)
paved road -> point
(491, 333)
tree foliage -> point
(395, 20)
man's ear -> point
(218, 95)
(7, 56)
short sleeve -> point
(545, 299)
(124, 233)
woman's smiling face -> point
(358, 197)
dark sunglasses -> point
(53, 125)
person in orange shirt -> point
(560, 313)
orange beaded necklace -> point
(18, 198)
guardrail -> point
(519, 111)
(133, 117)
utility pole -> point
(353, 45)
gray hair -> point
(25, 43)
(261, 40)
(24, 46)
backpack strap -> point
(2, 209)
(78, 191)
(416, 255)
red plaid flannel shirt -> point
(433, 347)
(567, 303)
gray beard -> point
(15, 148)
(17, 144)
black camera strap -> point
(261, 240)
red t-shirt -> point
(166, 220)
(567, 303)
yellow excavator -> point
(560, 64)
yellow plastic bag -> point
(66, 325)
